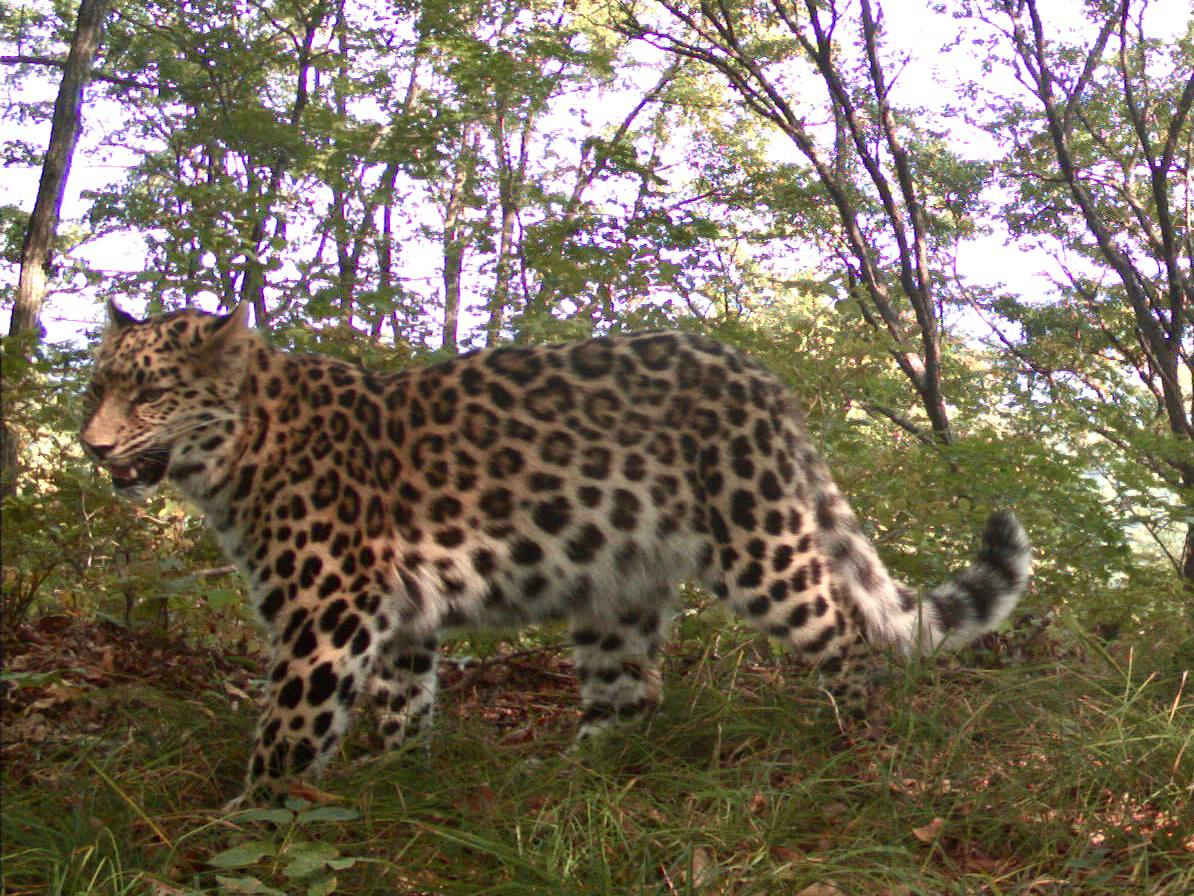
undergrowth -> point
(1055, 774)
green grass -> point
(1071, 775)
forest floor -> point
(1063, 768)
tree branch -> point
(54, 62)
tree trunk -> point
(64, 133)
(252, 288)
(456, 239)
(24, 329)
(1187, 557)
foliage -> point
(1072, 766)
(1097, 164)
(67, 544)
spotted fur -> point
(582, 481)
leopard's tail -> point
(949, 616)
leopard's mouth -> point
(142, 471)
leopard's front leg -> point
(318, 668)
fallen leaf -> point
(55, 694)
(303, 791)
(833, 811)
(480, 800)
(160, 888)
(702, 866)
(520, 735)
(821, 890)
(757, 804)
(929, 832)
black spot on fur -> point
(323, 684)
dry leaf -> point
(160, 888)
(702, 866)
(304, 791)
(480, 800)
(832, 811)
(233, 691)
(821, 890)
(757, 804)
(55, 694)
(930, 831)
(521, 735)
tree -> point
(895, 190)
(36, 253)
(1100, 161)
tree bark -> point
(25, 325)
(511, 182)
(64, 133)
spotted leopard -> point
(368, 511)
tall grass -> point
(1066, 775)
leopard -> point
(584, 482)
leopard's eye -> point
(148, 396)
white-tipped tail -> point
(983, 594)
(950, 616)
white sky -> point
(927, 77)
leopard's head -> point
(164, 394)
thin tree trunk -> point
(455, 240)
(345, 260)
(252, 288)
(512, 175)
(25, 326)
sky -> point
(926, 78)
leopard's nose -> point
(97, 450)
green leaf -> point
(322, 887)
(244, 854)
(245, 885)
(328, 813)
(31, 679)
(274, 816)
(218, 598)
(308, 858)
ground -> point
(1056, 769)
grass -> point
(1065, 774)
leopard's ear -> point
(225, 330)
(236, 319)
(119, 319)
(224, 344)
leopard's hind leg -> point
(776, 577)
(616, 655)
(403, 688)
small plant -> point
(292, 855)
